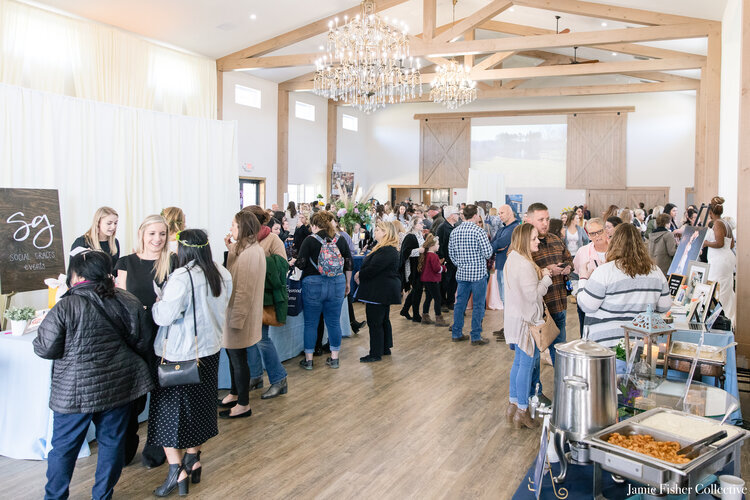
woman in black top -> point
(411, 248)
(379, 287)
(323, 292)
(101, 234)
(302, 232)
(138, 273)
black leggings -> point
(379, 323)
(432, 291)
(414, 298)
(240, 375)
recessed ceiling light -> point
(614, 53)
(320, 47)
(604, 25)
(512, 9)
(253, 17)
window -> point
(349, 122)
(304, 111)
(303, 193)
(247, 96)
(251, 192)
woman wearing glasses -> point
(591, 256)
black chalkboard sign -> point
(675, 282)
(31, 245)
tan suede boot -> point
(426, 320)
(439, 321)
(510, 412)
(522, 419)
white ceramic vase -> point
(18, 327)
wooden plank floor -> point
(427, 422)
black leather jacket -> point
(96, 366)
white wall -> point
(256, 129)
(350, 146)
(731, 45)
(308, 141)
(660, 150)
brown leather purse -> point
(269, 316)
(545, 333)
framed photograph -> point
(688, 250)
(675, 282)
(697, 272)
(702, 295)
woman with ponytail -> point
(721, 258)
(96, 336)
(379, 287)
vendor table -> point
(288, 340)
(25, 417)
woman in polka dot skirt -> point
(183, 417)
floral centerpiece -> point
(351, 210)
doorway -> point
(252, 191)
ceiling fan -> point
(575, 49)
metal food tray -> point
(651, 470)
(704, 348)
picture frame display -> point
(688, 249)
(702, 295)
(675, 282)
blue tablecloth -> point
(288, 340)
(357, 265)
(25, 417)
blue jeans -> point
(478, 291)
(559, 319)
(520, 377)
(264, 355)
(323, 294)
(69, 432)
(499, 274)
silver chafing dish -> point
(664, 477)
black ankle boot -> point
(172, 482)
(256, 383)
(276, 389)
(188, 461)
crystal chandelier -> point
(452, 86)
(366, 63)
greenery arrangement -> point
(20, 313)
(350, 211)
(620, 350)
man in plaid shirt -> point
(468, 249)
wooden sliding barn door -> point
(596, 151)
(445, 152)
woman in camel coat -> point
(246, 262)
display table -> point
(25, 417)
(288, 340)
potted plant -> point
(19, 318)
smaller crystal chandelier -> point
(452, 86)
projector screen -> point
(529, 152)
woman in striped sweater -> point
(619, 290)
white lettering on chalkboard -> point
(25, 228)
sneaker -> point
(307, 365)
(332, 363)
(481, 341)
(461, 338)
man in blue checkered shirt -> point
(469, 248)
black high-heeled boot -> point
(188, 461)
(173, 482)
(256, 383)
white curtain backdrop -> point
(133, 160)
(48, 51)
(485, 184)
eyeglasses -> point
(596, 233)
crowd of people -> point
(171, 302)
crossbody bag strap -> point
(119, 329)
(195, 321)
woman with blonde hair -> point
(138, 273)
(525, 286)
(175, 218)
(617, 291)
(101, 234)
(379, 287)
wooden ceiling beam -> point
(610, 12)
(582, 39)
(492, 61)
(429, 16)
(623, 48)
(296, 35)
(486, 13)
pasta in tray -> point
(647, 445)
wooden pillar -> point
(219, 94)
(428, 19)
(708, 99)
(742, 333)
(333, 120)
(282, 152)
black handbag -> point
(180, 372)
